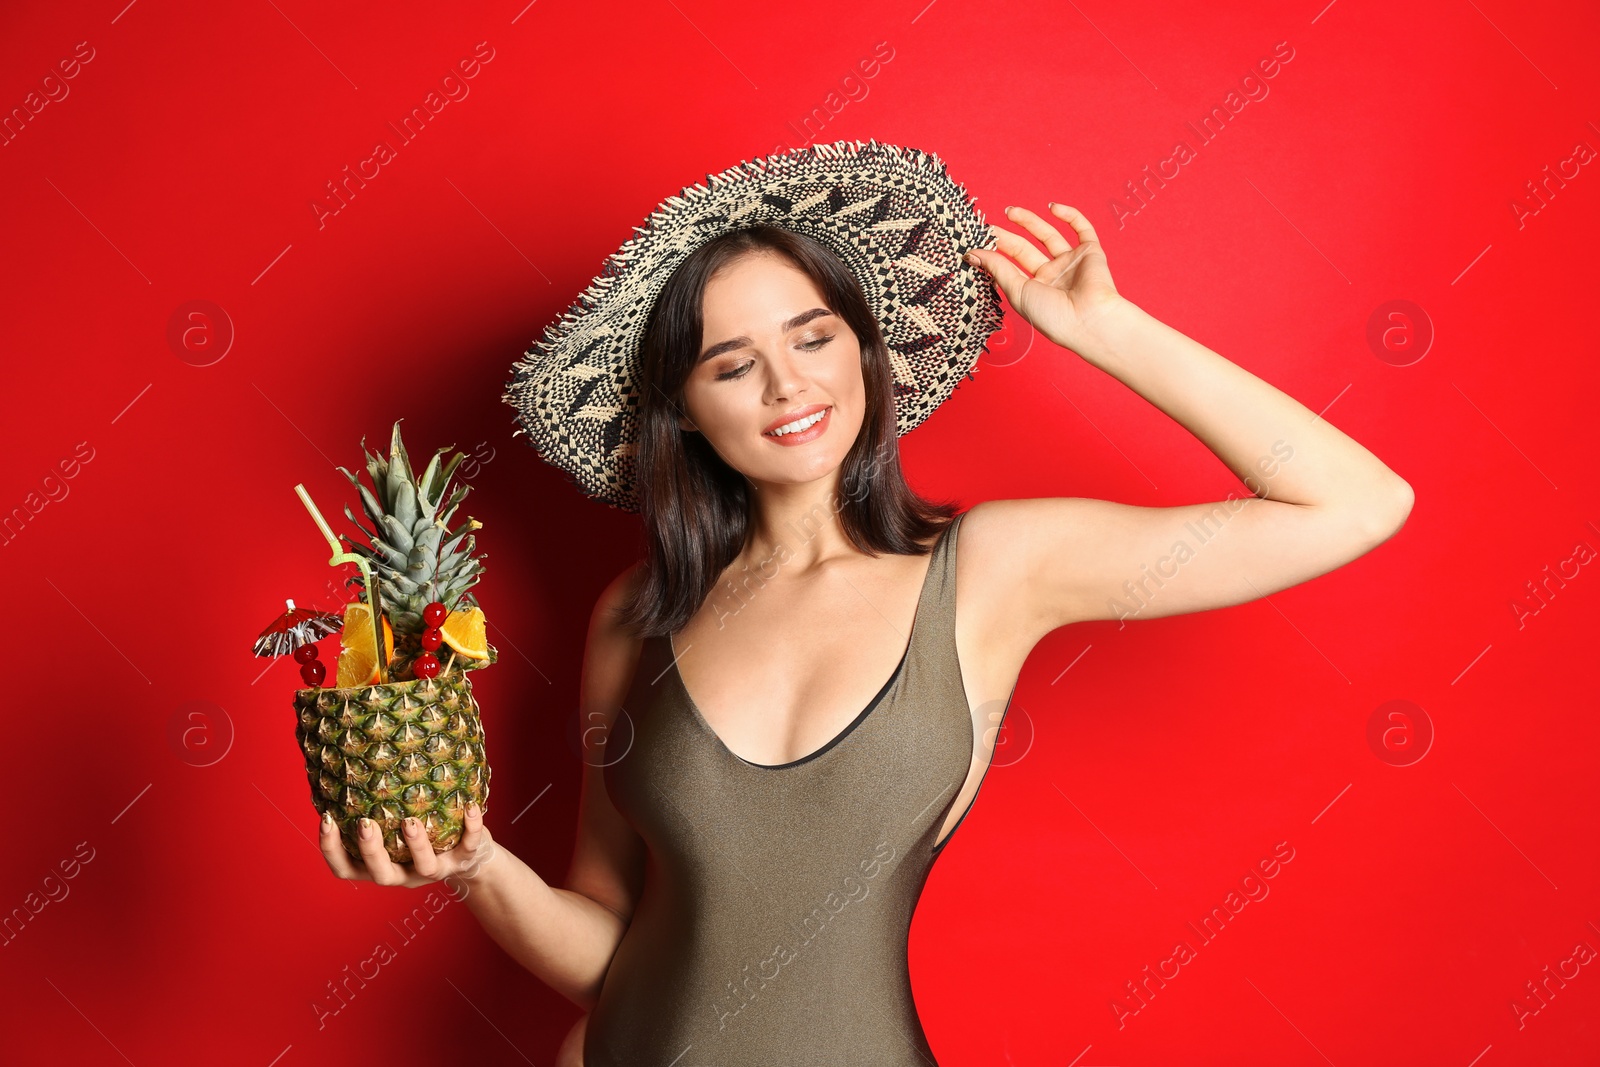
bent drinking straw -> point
(341, 556)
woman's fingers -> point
(476, 846)
(472, 820)
(1077, 220)
(383, 870)
(1003, 271)
(426, 866)
(1020, 249)
(471, 834)
(1047, 234)
(333, 851)
(423, 859)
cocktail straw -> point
(341, 556)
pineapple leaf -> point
(399, 463)
(382, 569)
(428, 541)
(441, 481)
(434, 479)
(426, 477)
(385, 552)
(398, 535)
(357, 523)
(455, 501)
(450, 550)
(420, 565)
(378, 471)
(459, 586)
(405, 505)
(466, 527)
(369, 503)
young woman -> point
(760, 805)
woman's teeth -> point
(798, 424)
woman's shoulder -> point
(619, 590)
(607, 626)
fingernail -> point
(327, 819)
(972, 259)
(1051, 204)
(411, 824)
(366, 827)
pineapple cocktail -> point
(398, 734)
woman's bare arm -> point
(1317, 499)
(567, 936)
(564, 938)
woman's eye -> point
(744, 368)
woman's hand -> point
(465, 860)
(1063, 295)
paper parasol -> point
(296, 627)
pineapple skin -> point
(411, 748)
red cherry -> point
(313, 673)
(426, 665)
(432, 639)
(435, 614)
(305, 653)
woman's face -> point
(777, 353)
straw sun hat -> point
(891, 214)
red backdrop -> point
(1434, 896)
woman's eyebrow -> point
(737, 343)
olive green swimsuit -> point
(772, 927)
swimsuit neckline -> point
(860, 717)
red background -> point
(1174, 755)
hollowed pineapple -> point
(385, 752)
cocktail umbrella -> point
(296, 627)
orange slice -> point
(356, 663)
(464, 632)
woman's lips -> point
(810, 433)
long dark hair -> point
(695, 507)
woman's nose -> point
(785, 378)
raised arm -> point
(1316, 499)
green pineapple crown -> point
(416, 558)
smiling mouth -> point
(799, 426)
